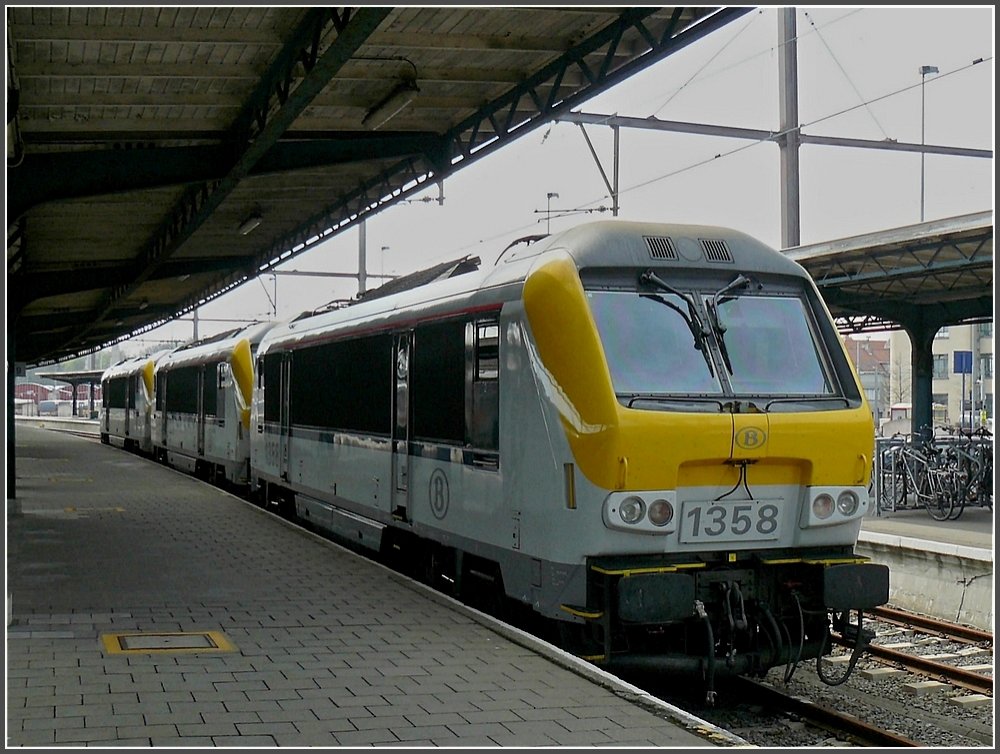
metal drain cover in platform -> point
(184, 642)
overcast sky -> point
(858, 77)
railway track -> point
(842, 726)
(871, 708)
(949, 630)
(933, 668)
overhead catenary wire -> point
(778, 134)
(846, 75)
(768, 51)
(708, 62)
(773, 137)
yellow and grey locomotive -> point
(649, 435)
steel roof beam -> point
(97, 276)
(533, 102)
(937, 312)
(920, 268)
(52, 176)
(274, 106)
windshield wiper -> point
(741, 282)
(691, 317)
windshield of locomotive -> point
(676, 345)
(649, 344)
(770, 346)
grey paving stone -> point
(236, 718)
(53, 700)
(40, 712)
(121, 742)
(206, 729)
(518, 740)
(83, 735)
(149, 731)
(186, 741)
(394, 722)
(117, 721)
(174, 718)
(142, 708)
(302, 740)
(425, 733)
(492, 716)
(365, 737)
(469, 742)
(243, 742)
(52, 723)
(33, 737)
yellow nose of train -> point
(620, 448)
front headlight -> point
(632, 509)
(822, 506)
(847, 503)
(830, 506)
(661, 512)
(641, 512)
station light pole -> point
(924, 70)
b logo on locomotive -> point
(751, 437)
(438, 494)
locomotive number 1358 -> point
(718, 521)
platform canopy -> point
(937, 273)
(160, 156)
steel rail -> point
(934, 625)
(841, 724)
(952, 674)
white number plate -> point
(737, 521)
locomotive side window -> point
(344, 385)
(183, 394)
(160, 381)
(270, 372)
(487, 350)
(133, 385)
(117, 393)
(209, 391)
(437, 382)
(484, 419)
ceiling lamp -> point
(386, 109)
(250, 223)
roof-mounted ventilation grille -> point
(716, 251)
(660, 247)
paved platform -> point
(973, 529)
(148, 609)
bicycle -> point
(917, 471)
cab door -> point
(133, 386)
(402, 344)
(284, 434)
